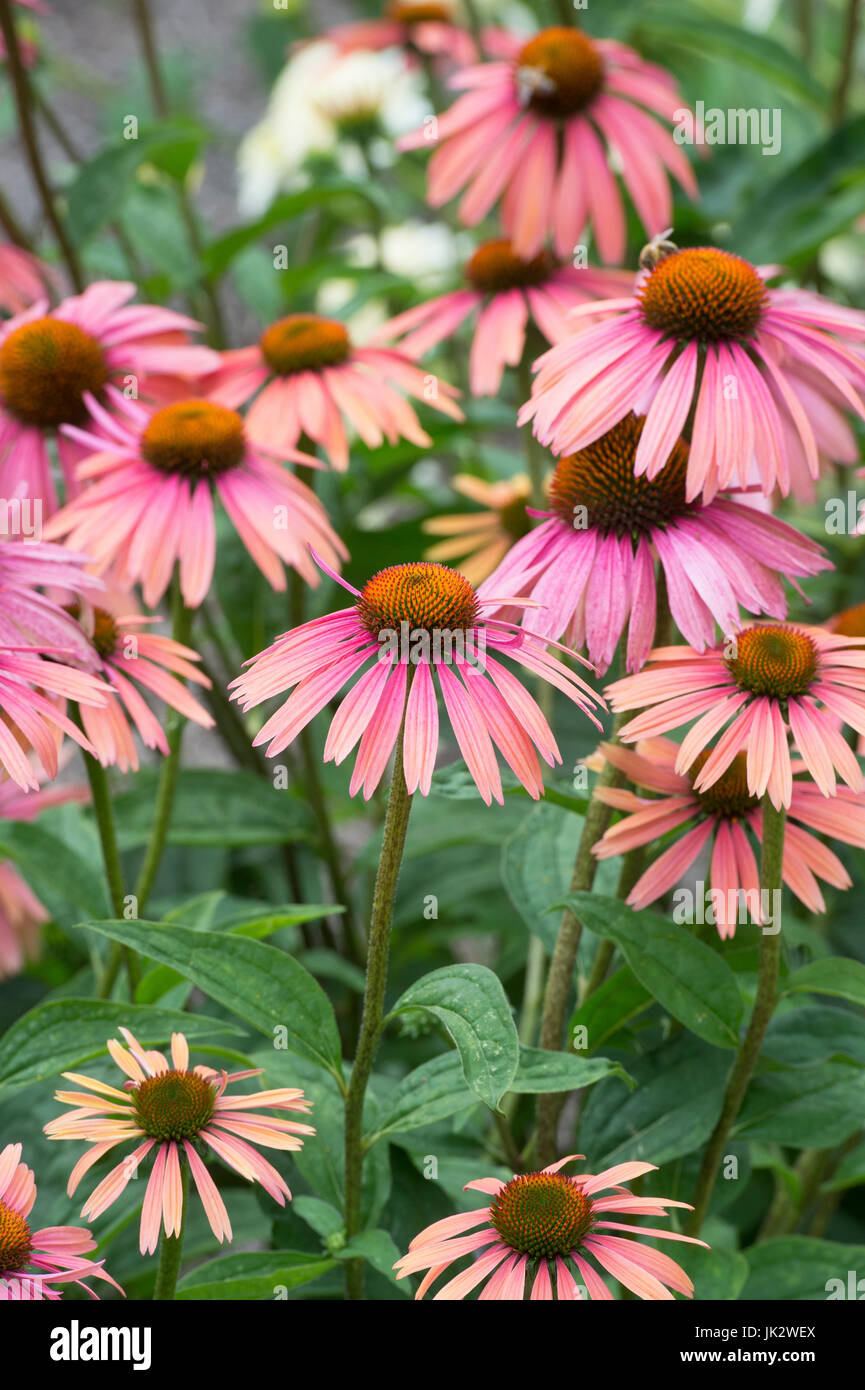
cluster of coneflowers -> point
(677, 401)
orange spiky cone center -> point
(703, 294)
(851, 623)
(194, 438)
(565, 71)
(304, 342)
(774, 660)
(495, 267)
(174, 1105)
(409, 14)
(45, 368)
(601, 479)
(15, 1239)
(541, 1214)
(427, 596)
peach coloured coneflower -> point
(34, 686)
(768, 679)
(591, 564)
(124, 655)
(418, 26)
(151, 503)
(179, 1109)
(507, 292)
(23, 279)
(51, 359)
(718, 819)
(535, 129)
(428, 619)
(542, 1229)
(309, 379)
(766, 375)
(478, 541)
(21, 912)
(32, 1262)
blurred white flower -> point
(324, 102)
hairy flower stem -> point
(171, 1248)
(774, 824)
(150, 53)
(181, 629)
(561, 972)
(101, 800)
(25, 107)
(384, 894)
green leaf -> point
(259, 1274)
(817, 199)
(220, 253)
(53, 868)
(64, 1033)
(716, 38)
(834, 975)
(805, 1107)
(798, 1267)
(611, 1007)
(690, 980)
(680, 1091)
(431, 1092)
(100, 187)
(379, 1250)
(717, 1273)
(257, 982)
(537, 863)
(540, 1071)
(471, 1004)
(212, 807)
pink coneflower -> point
(421, 28)
(152, 500)
(178, 1109)
(31, 1262)
(21, 912)
(51, 359)
(767, 373)
(309, 379)
(718, 819)
(480, 540)
(427, 617)
(767, 679)
(591, 564)
(507, 291)
(535, 130)
(30, 617)
(23, 278)
(124, 655)
(542, 1228)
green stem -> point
(181, 629)
(774, 824)
(171, 1248)
(150, 54)
(384, 894)
(848, 51)
(565, 11)
(100, 794)
(561, 972)
(27, 126)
